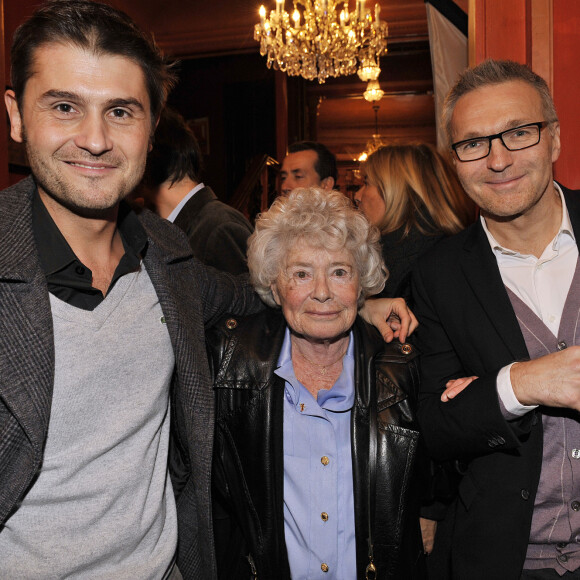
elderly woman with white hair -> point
(315, 433)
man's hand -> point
(428, 530)
(552, 380)
(391, 316)
(455, 386)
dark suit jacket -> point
(217, 232)
(191, 298)
(468, 327)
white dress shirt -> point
(171, 217)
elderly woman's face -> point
(318, 291)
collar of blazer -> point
(18, 260)
(26, 340)
(480, 269)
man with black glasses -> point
(498, 303)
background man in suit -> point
(102, 318)
(499, 301)
(308, 164)
(217, 232)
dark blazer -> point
(468, 327)
(217, 232)
(248, 482)
(191, 297)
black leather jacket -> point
(248, 472)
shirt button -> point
(525, 494)
(324, 460)
(324, 567)
(561, 545)
(575, 505)
(562, 345)
(562, 558)
(80, 270)
(324, 516)
(576, 453)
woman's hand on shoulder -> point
(391, 317)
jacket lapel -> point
(573, 204)
(191, 395)
(482, 273)
(26, 335)
(159, 261)
(182, 312)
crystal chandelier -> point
(322, 38)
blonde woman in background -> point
(411, 193)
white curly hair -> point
(323, 219)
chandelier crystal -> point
(322, 38)
(373, 91)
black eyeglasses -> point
(515, 139)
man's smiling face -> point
(506, 183)
(86, 122)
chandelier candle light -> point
(322, 38)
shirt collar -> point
(339, 398)
(565, 229)
(173, 215)
(54, 251)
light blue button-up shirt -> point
(318, 486)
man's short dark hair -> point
(495, 72)
(175, 154)
(96, 27)
(325, 166)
